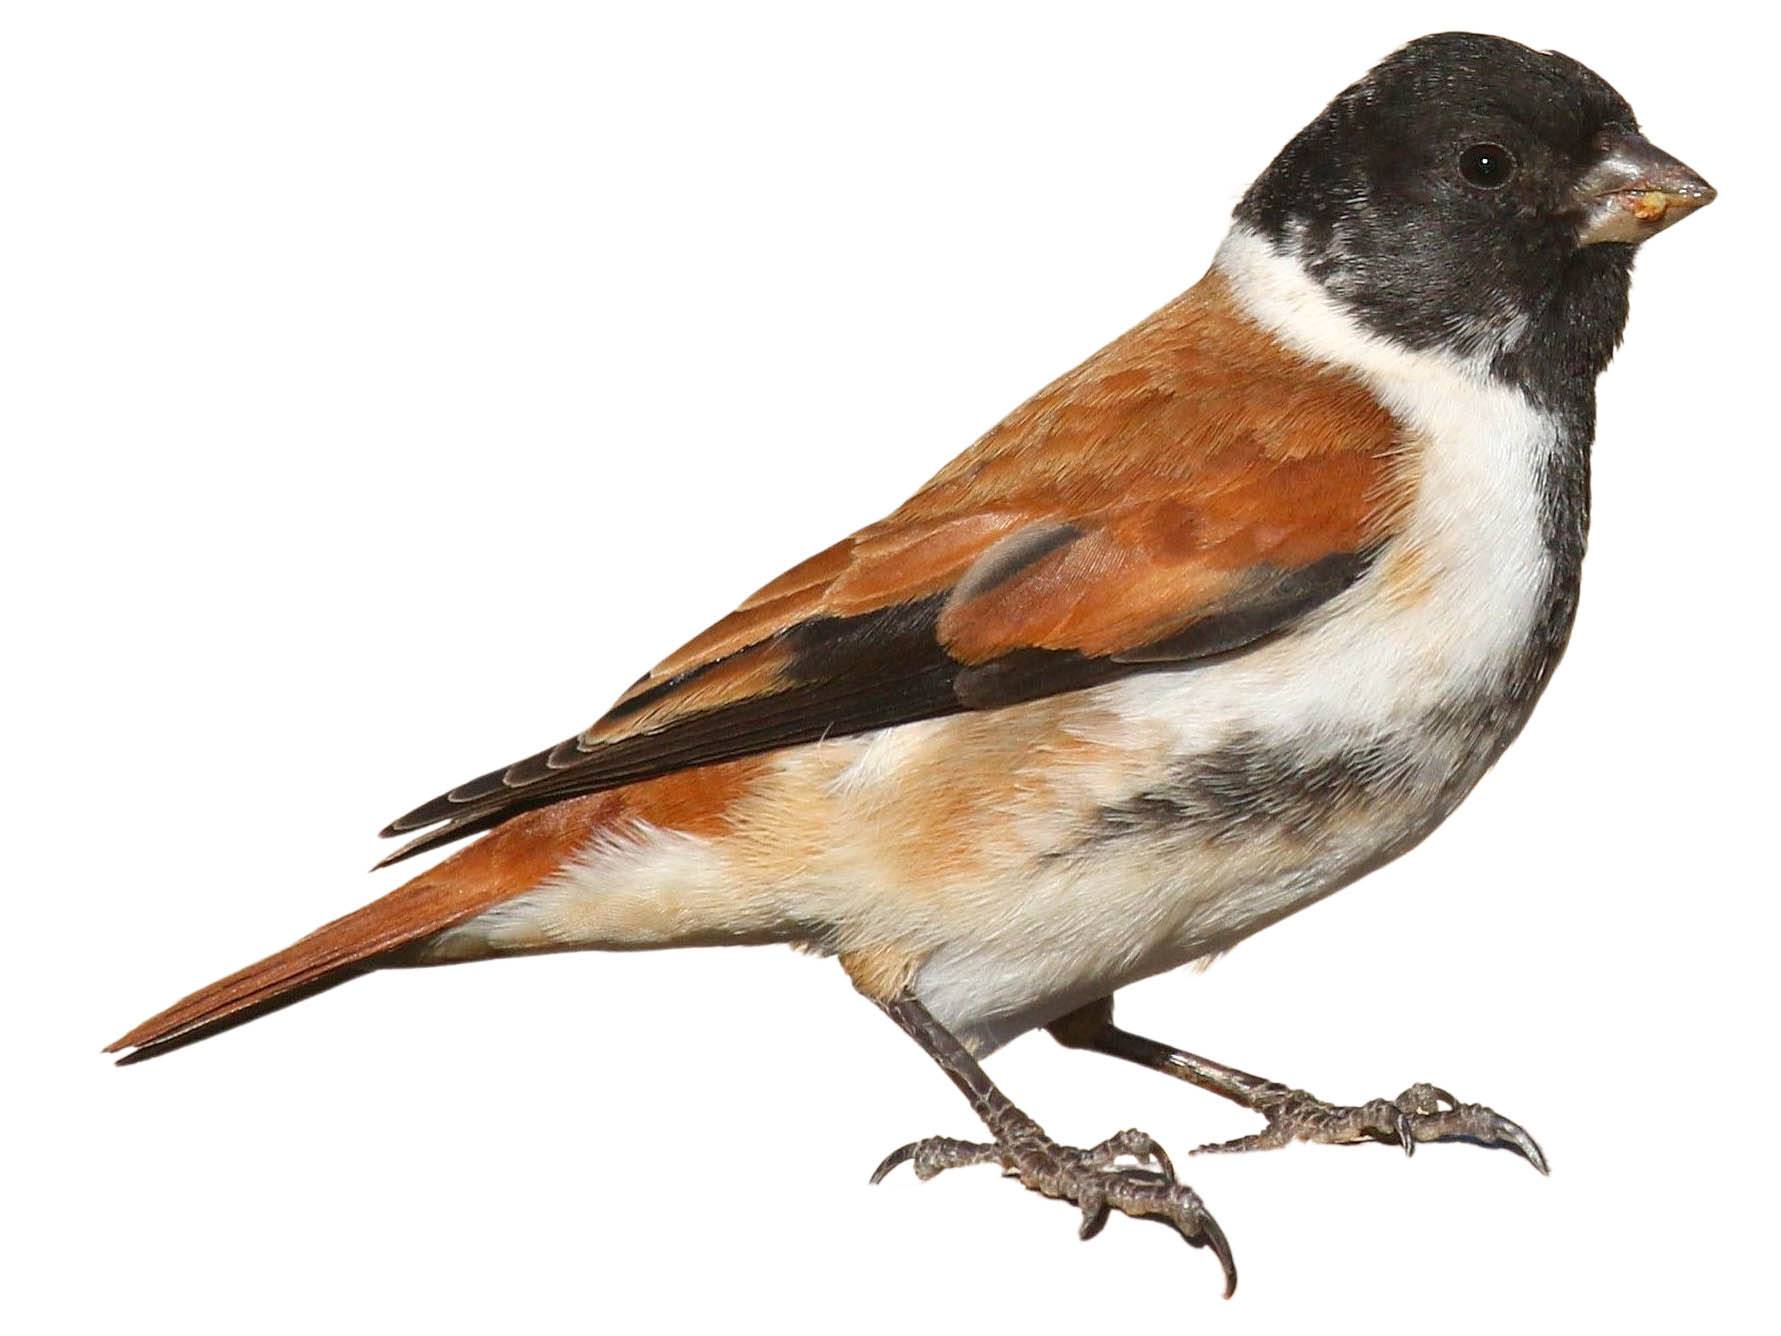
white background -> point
(386, 386)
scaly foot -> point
(1422, 1113)
(1088, 1177)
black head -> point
(1475, 195)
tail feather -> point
(508, 861)
(227, 1019)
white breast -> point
(1474, 528)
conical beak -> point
(1635, 190)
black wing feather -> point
(849, 675)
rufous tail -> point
(508, 861)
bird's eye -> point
(1487, 165)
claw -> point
(1487, 1127)
(1406, 1135)
(1518, 1140)
(891, 1161)
(1095, 1210)
(1164, 1165)
(1213, 1238)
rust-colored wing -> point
(1190, 490)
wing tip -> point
(460, 807)
(472, 821)
(396, 855)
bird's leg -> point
(1089, 1177)
(1421, 1113)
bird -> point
(1218, 622)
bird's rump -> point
(1191, 489)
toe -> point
(1435, 1115)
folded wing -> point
(1191, 490)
